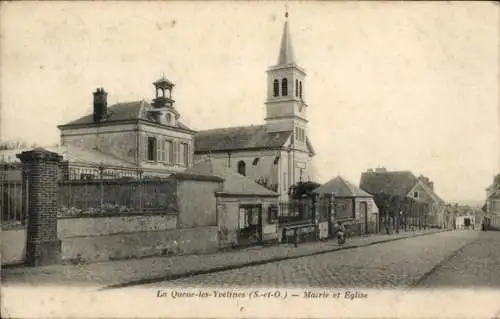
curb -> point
(250, 264)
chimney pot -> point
(100, 105)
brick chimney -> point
(100, 105)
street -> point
(478, 264)
(396, 264)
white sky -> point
(409, 86)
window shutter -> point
(165, 151)
(175, 160)
(144, 147)
(170, 152)
(161, 141)
(157, 149)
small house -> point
(244, 208)
(351, 204)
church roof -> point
(286, 55)
(124, 111)
(238, 138)
(341, 188)
(234, 183)
(397, 183)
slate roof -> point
(238, 137)
(124, 111)
(341, 188)
(72, 154)
(397, 183)
(286, 55)
(234, 183)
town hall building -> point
(151, 136)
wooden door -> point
(363, 210)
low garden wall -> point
(13, 245)
(92, 239)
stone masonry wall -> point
(94, 239)
(197, 203)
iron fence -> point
(13, 200)
(100, 190)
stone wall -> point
(91, 239)
(13, 245)
(196, 202)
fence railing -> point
(13, 201)
(97, 191)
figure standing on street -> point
(340, 233)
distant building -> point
(493, 197)
(405, 184)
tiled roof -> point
(241, 137)
(124, 111)
(234, 183)
(397, 183)
(72, 154)
(341, 188)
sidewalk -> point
(114, 274)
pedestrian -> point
(341, 233)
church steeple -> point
(285, 105)
(286, 56)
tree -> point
(302, 189)
(16, 144)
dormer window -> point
(415, 195)
(284, 87)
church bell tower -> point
(285, 105)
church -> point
(152, 137)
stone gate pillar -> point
(41, 167)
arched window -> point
(241, 168)
(276, 88)
(284, 87)
(300, 88)
(296, 87)
(169, 118)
